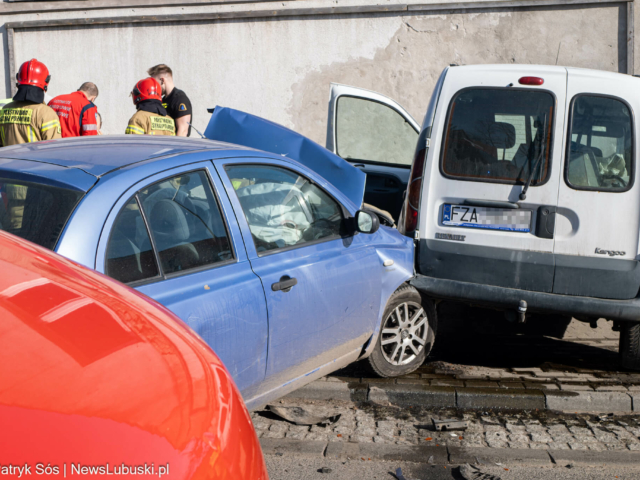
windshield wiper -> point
(534, 167)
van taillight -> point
(413, 193)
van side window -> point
(372, 132)
(600, 152)
(499, 135)
(130, 257)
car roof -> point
(99, 155)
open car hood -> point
(234, 126)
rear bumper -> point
(490, 296)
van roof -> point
(538, 69)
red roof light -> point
(531, 81)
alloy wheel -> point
(404, 333)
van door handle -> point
(546, 221)
(285, 284)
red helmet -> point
(147, 89)
(34, 73)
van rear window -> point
(600, 155)
(35, 212)
(499, 135)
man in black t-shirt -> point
(174, 100)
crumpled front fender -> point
(391, 245)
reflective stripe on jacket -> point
(26, 122)
(147, 123)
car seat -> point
(123, 258)
(583, 169)
(171, 233)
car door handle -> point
(285, 284)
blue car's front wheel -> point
(406, 335)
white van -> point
(522, 190)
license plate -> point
(507, 219)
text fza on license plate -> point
(507, 219)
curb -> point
(469, 397)
(444, 455)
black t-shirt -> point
(178, 105)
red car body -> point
(97, 379)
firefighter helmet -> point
(34, 73)
(147, 89)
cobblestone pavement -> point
(471, 354)
(480, 353)
(366, 423)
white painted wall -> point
(281, 68)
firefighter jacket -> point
(25, 122)
(147, 123)
(77, 114)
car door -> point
(596, 243)
(173, 238)
(494, 128)
(322, 283)
(377, 135)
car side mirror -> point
(367, 222)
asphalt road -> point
(302, 468)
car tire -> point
(630, 346)
(406, 311)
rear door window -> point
(34, 211)
(499, 135)
(600, 154)
(185, 222)
(368, 131)
(130, 256)
(180, 228)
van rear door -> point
(495, 128)
(377, 135)
(596, 242)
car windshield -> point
(34, 211)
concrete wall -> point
(281, 67)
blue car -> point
(276, 268)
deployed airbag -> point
(275, 212)
(234, 126)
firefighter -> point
(27, 119)
(151, 117)
(77, 112)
